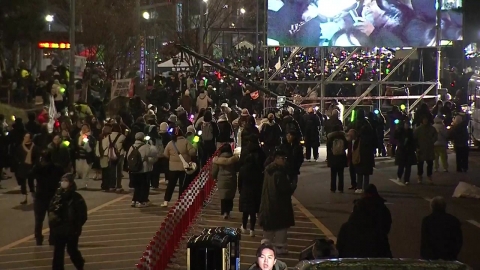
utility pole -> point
(71, 92)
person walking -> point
(276, 202)
(405, 156)
(425, 137)
(140, 158)
(441, 237)
(67, 214)
(47, 175)
(26, 156)
(336, 157)
(224, 172)
(179, 145)
(250, 181)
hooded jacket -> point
(270, 133)
(224, 170)
(276, 199)
(202, 101)
(225, 130)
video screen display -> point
(366, 23)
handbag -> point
(189, 167)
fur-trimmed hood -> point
(225, 159)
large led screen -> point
(368, 23)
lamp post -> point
(71, 92)
(49, 19)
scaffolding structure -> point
(321, 85)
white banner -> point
(80, 64)
(121, 88)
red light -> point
(57, 123)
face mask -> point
(64, 184)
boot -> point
(24, 200)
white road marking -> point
(474, 223)
(397, 182)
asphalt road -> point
(407, 204)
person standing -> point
(336, 157)
(363, 151)
(176, 147)
(224, 172)
(84, 146)
(311, 134)
(140, 158)
(351, 137)
(405, 156)
(25, 156)
(67, 214)
(441, 233)
(276, 209)
(441, 144)
(425, 137)
(460, 137)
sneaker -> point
(141, 205)
(133, 203)
(226, 216)
(243, 230)
(359, 191)
(407, 183)
(164, 204)
(282, 251)
(119, 190)
(252, 233)
(398, 179)
(149, 203)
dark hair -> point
(279, 153)
(207, 117)
(116, 128)
(266, 246)
(225, 148)
(177, 132)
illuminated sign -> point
(54, 45)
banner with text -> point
(122, 88)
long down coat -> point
(224, 171)
(250, 182)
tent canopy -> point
(246, 44)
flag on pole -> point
(278, 65)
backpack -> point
(338, 147)
(112, 151)
(135, 160)
(207, 131)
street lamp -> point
(242, 10)
(146, 15)
(49, 18)
(205, 1)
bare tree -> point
(105, 27)
(217, 14)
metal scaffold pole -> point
(438, 44)
(71, 93)
(322, 82)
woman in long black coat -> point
(405, 156)
(250, 182)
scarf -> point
(28, 156)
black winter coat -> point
(48, 176)
(312, 129)
(406, 147)
(67, 214)
(339, 161)
(367, 146)
(250, 182)
(365, 234)
(225, 131)
(441, 237)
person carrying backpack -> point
(209, 134)
(336, 157)
(111, 154)
(140, 159)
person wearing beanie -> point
(145, 152)
(67, 214)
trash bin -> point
(216, 248)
